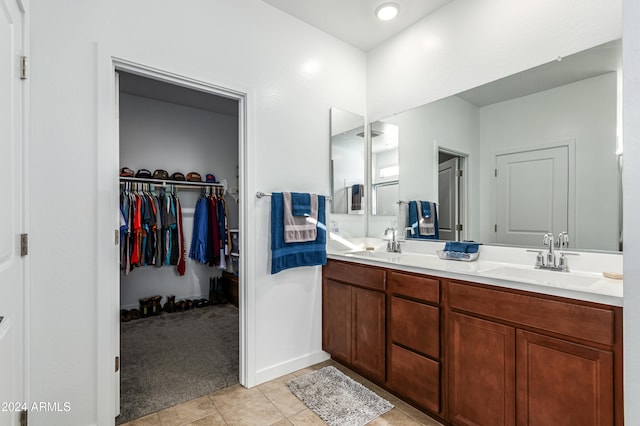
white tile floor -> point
(272, 404)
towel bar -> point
(261, 194)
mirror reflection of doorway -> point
(450, 195)
(532, 194)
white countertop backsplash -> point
(421, 257)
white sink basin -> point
(380, 255)
(408, 259)
(544, 277)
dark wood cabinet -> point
(415, 377)
(368, 332)
(413, 364)
(560, 382)
(336, 319)
(476, 354)
(482, 372)
(230, 287)
(354, 317)
(520, 358)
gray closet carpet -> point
(173, 358)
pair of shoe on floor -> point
(187, 304)
(128, 315)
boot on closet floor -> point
(145, 307)
(170, 305)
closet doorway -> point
(179, 257)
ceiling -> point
(354, 21)
(166, 92)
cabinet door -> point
(368, 332)
(481, 371)
(336, 319)
(559, 382)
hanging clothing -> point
(149, 230)
(181, 264)
(198, 249)
(210, 240)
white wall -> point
(584, 112)
(467, 43)
(162, 135)
(292, 74)
(631, 132)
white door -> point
(448, 199)
(11, 214)
(532, 189)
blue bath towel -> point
(413, 221)
(291, 255)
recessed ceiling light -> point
(387, 11)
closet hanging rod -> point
(261, 194)
(177, 183)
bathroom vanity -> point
(473, 349)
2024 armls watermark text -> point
(42, 406)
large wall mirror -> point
(348, 189)
(539, 151)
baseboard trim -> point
(279, 370)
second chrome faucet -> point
(551, 261)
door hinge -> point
(459, 227)
(24, 67)
(117, 364)
(495, 228)
(495, 172)
(24, 244)
(117, 239)
(23, 418)
(459, 173)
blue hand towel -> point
(426, 209)
(461, 246)
(291, 255)
(300, 204)
(413, 223)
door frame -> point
(462, 214)
(107, 182)
(570, 144)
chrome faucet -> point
(393, 245)
(551, 261)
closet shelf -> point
(177, 183)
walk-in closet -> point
(179, 250)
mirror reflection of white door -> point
(532, 195)
(11, 214)
(448, 199)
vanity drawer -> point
(415, 377)
(415, 287)
(351, 273)
(415, 326)
(578, 320)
